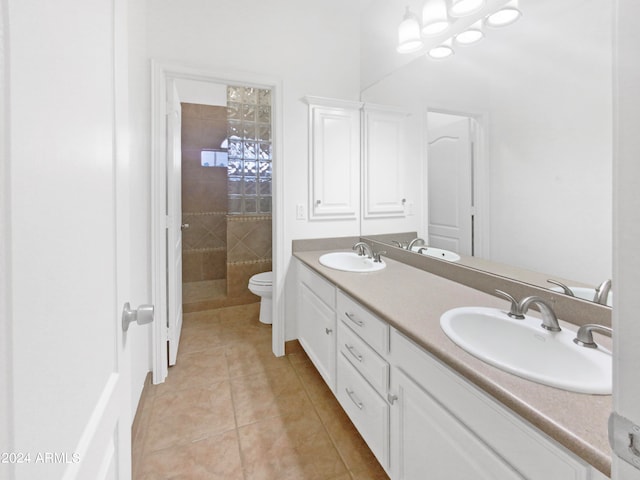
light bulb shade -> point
(471, 35)
(505, 16)
(461, 8)
(434, 17)
(409, 39)
(443, 50)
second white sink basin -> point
(525, 349)
(585, 293)
(350, 262)
(437, 253)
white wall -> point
(545, 84)
(313, 47)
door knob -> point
(184, 226)
(142, 315)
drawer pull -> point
(354, 399)
(351, 317)
(353, 352)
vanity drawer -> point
(369, 327)
(372, 367)
(324, 290)
(366, 409)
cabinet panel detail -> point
(383, 162)
(334, 159)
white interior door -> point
(449, 184)
(174, 221)
(69, 369)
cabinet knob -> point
(392, 398)
(328, 330)
(318, 202)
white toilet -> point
(261, 284)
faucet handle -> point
(376, 256)
(566, 290)
(584, 337)
(516, 311)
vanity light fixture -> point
(443, 50)
(462, 8)
(434, 18)
(505, 16)
(471, 35)
(461, 24)
(409, 39)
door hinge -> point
(624, 438)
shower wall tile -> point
(238, 275)
(214, 265)
(207, 230)
(249, 238)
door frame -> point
(6, 404)
(161, 73)
(481, 174)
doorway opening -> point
(168, 225)
(226, 193)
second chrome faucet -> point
(518, 309)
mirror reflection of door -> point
(450, 159)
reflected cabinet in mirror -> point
(508, 158)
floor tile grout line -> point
(235, 415)
(324, 426)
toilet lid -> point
(264, 278)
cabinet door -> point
(428, 442)
(383, 162)
(334, 159)
(317, 333)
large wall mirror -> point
(534, 100)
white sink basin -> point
(525, 349)
(437, 253)
(350, 262)
(585, 293)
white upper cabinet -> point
(334, 158)
(383, 161)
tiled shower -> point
(226, 198)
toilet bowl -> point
(261, 284)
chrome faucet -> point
(416, 240)
(566, 290)
(518, 309)
(584, 337)
(602, 292)
(363, 248)
(549, 319)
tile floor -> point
(230, 410)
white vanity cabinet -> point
(334, 158)
(420, 418)
(317, 322)
(441, 423)
(383, 161)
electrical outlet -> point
(300, 212)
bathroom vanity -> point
(424, 405)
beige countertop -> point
(412, 301)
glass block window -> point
(249, 155)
